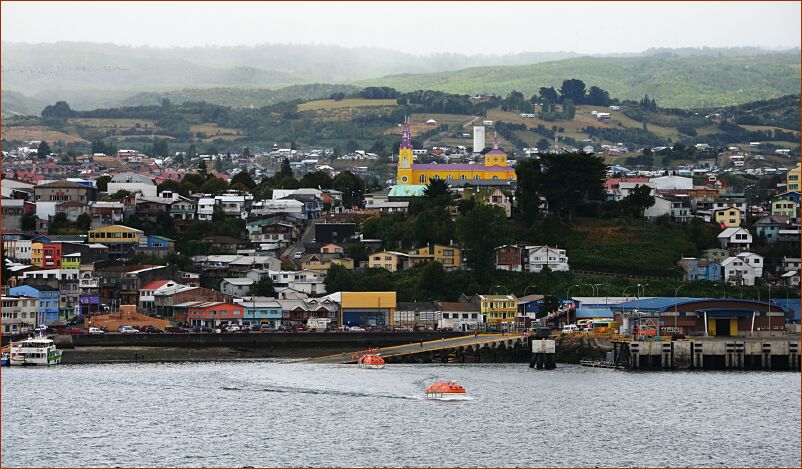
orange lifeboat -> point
(446, 391)
(371, 361)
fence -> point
(590, 273)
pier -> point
(709, 353)
(484, 348)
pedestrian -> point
(421, 344)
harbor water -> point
(267, 413)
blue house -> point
(790, 195)
(264, 312)
(769, 227)
(46, 304)
(156, 245)
(701, 269)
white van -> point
(570, 328)
(318, 325)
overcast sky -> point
(420, 28)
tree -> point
(59, 224)
(160, 148)
(43, 150)
(172, 185)
(433, 226)
(570, 180)
(60, 110)
(338, 278)
(316, 180)
(243, 178)
(84, 221)
(102, 183)
(548, 98)
(337, 96)
(574, 90)
(437, 193)
(569, 110)
(246, 153)
(120, 195)
(352, 187)
(214, 186)
(527, 193)
(515, 101)
(481, 231)
(597, 97)
(218, 165)
(191, 153)
(263, 287)
(351, 146)
(286, 170)
(638, 200)
(543, 145)
(29, 222)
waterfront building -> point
(209, 314)
(147, 294)
(494, 166)
(459, 316)
(296, 312)
(369, 309)
(262, 311)
(19, 314)
(498, 310)
(47, 300)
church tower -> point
(405, 156)
(495, 157)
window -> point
(422, 178)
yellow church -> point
(410, 173)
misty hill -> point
(686, 81)
(77, 71)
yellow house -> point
(120, 239)
(498, 309)
(792, 179)
(37, 254)
(71, 261)
(449, 256)
(396, 261)
(494, 167)
(729, 217)
(374, 308)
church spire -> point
(495, 141)
(406, 140)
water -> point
(261, 413)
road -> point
(306, 237)
(351, 357)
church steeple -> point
(406, 139)
(495, 141)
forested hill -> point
(674, 80)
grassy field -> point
(39, 133)
(326, 104)
(767, 127)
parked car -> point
(233, 328)
(299, 254)
(569, 328)
(176, 330)
(96, 331)
(128, 330)
(202, 329)
(152, 330)
(356, 329)
(74, 330)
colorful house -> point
(120, 239)
(498, 309)
(449, 256)
(792, 179)
(209, 314)
(46, 255)
(785, 208)
(71, 261)
(157, 246)
(729, 217)
(47, 305)
(264, 312)
(494, 167)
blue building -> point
(46, 304)
(156, 245)
(262, 312)
(769, 227)
(701, 269)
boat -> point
(446, 391)
(34, 351)
(4, 356)
(371, 360)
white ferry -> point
(34, 351)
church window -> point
(449, 177)
(476, 176)
(422, 178)
(404, 179)
(495, 177)
(462, 176)
(495, 159)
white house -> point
(132, 182)
(662, 206)
(671, 183)
(742, 269)
(236, 286)
(735, 238)
(148, 292)
(234, 205)
(306, 281)
(499, 199)
(289, 206)
(380, 203)
(205, 209)
(539, 257)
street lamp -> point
(527, 288)
(676, 290)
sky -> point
(465, 27)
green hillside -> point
(684, 82)
(240, 97)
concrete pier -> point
(543, 354)
(709, 353)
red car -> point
(74, 330)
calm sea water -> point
(261, 413)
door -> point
(722, 327)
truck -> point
(318, 325)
